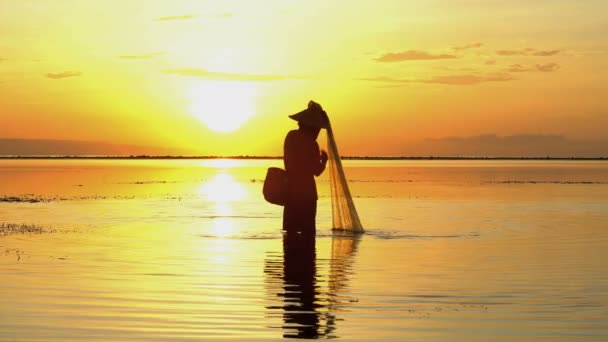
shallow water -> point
(141, 250)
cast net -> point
(344, 214)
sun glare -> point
(223, 188)
(222, 106)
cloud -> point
(194, 16)
(468, 79)
(178, 17)
(47, 147)
(411, 55)
(490, 62)
(517, 145)
(548, 67)
(546, 53)
(385, 79)
(64, 74)
(467, 47)
(224, 76)
(493, 138)
(144, 56)
(528, 52)
(519, 68)
(463, 79)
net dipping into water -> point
(344, 214)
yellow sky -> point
(391, 74)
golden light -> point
(223, 188)
(223, 227)
(222, 163)
(223, 106)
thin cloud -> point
(224, 76)
(468, 79)
(519, 68)
(516, 145)
(144, 56)
(194, 16)
(546, 53)
(548, 67)
(64, 74)
(464, 79)
(412, 55)
(468, 46)
(528, 52)
(490, 62)
(385, 79)
(493, 138)
(178, 17)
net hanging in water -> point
(344, 214)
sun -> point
(223, 106)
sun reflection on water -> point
(223, 188)
(221, 192)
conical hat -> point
(313, 116)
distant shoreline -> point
(147, 157)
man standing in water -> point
(303, 161)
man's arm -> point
(321, 162)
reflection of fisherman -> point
(300, 314)
(303, 161)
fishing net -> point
(344, 214)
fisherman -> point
(303, 161)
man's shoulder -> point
(293, 134)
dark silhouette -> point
(303, 161)
(299, 277)
(307, 309)
(293, 278)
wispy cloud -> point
(461, 79)
(548, 67)
(64, 74)
(194, 16)
(144, 56)
(491, 138)
(468, 46)
(517, 145)
(412, 55)
(518, 68)
(385, 79)
(225, 76)
(178, 17)
(528, 52)
(468, 79)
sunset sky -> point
(449, 77)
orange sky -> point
(396, 77)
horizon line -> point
(254, 157)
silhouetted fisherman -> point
(303, 161)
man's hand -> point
(323, 157)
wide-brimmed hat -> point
(313, 116)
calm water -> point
(189, 250)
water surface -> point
(141, 250)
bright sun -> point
(221, 105)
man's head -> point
(314, 116)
